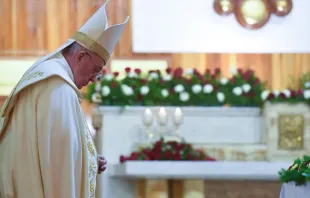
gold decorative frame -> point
(253, 14)
(281, 7)
(224, 7)
(249, 16)
(291, 132)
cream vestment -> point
(46, 150)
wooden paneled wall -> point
(35, 27)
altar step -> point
(221, 170)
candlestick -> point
(178, 116)
(178, 119)
(148, 117)
(162, 116)
(148, 120)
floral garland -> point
(299, 172)
(188, 88)
(178, 88)
(170, 150)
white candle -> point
(162, 116)
(178, 116)
(148, 117)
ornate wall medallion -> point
(291, 132)
(252, 14)
(281, 7)
(224, 7)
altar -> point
(240, 161)
(122, 180)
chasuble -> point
(46, 149)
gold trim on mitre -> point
(92, 45)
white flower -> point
(307, 84)
(132, 75)
(207, 88)
(189, 71)
(153, 75)
(144, 90)
(287, 93)
(97, 86)
(233, 70)
(220, 97)
(224, 80)
(105, 91)
(184, 96)
(196, 88)
(108, 77)
(237, 91)
(246, 88)
(128, 91)
(164, 93)
(264, 95)
(179, 88)
(167, 77)
(276, 93)
(96, 98)
(307, 94)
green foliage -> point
(299, 172)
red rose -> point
(168, 70)
(282, 95)
(139, 97)
(256, 81)
(246, 76)
(240, 71)
(176, 156)
(300, 92)
(143, 81)
(233, 80)
(115, 74)
(157, 146)
(180, 147)
(138, 71)
(127, 69)
(271, 96)
(178, 72)
(217, 70)
(103, 71)
(113, 84)
(207, 71)
(122, 159)
(168, 154)
(293, 93)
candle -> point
(162, 116)
(148, 117)
(178, 116)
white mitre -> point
(95, 35)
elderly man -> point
(46, 149)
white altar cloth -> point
(290, 190)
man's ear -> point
(80, 55)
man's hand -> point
(102, 164)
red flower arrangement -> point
(171, 150)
